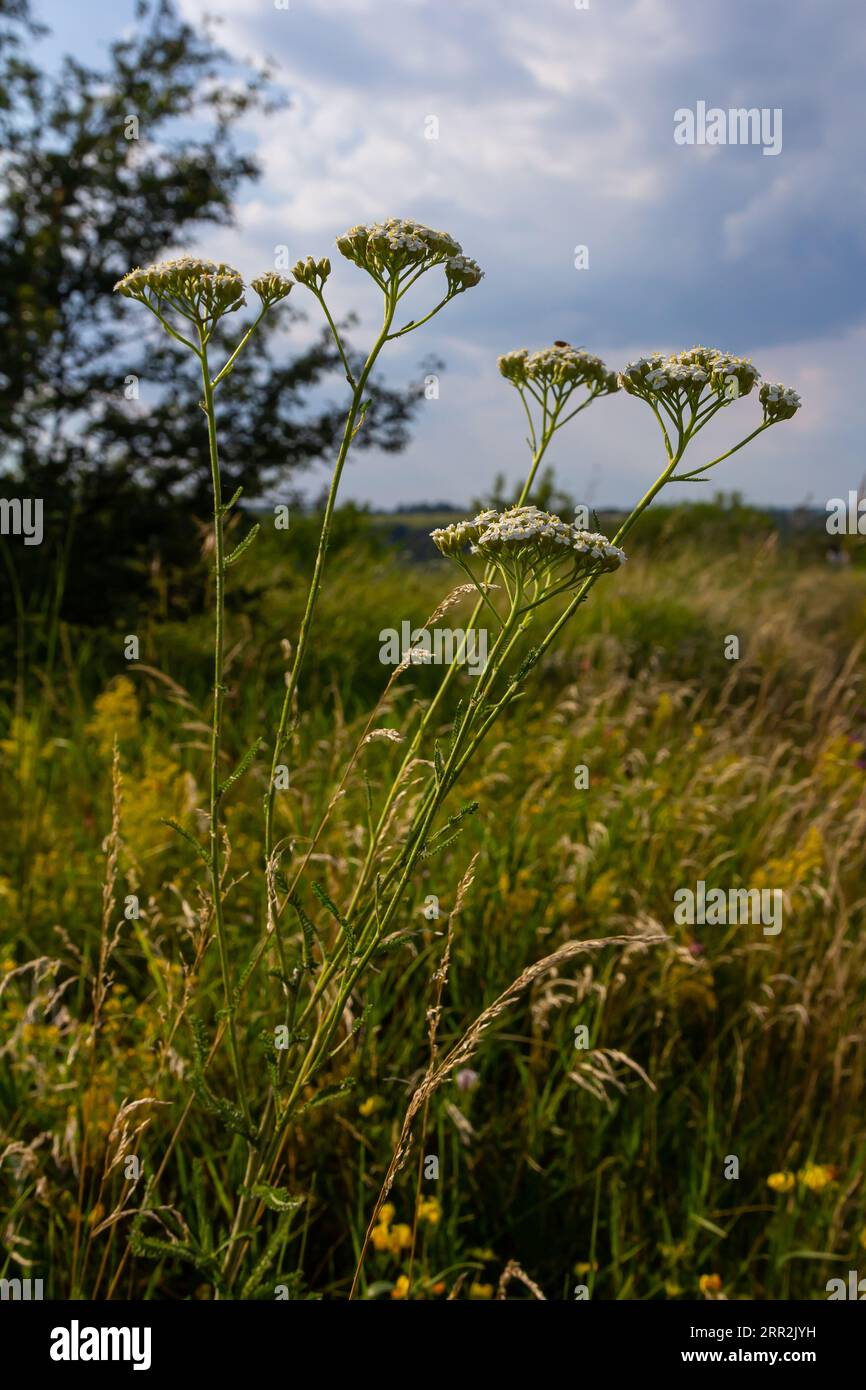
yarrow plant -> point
(528, 570)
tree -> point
(101, 173)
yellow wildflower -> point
(387, 1212)
(663, 710)
(429, 1210)
(400, 1238)
(710, 1283)
(370, 1106)
(781, 1182)
(817, 1176)
(401, 1288)
(381, 1237)
(116, 713)
(480, 1290)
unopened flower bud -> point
(271, 287)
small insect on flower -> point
(561, 368)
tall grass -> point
(601, 1167)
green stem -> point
(315, 585)
(216, 727)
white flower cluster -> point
(528, 539)
(207, 289)
(462, 273)
(397, 244)
(685, 374)
(559, 365)
(779, 402)
(450, 540)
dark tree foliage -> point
(80, 204)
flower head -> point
(271, 287)
(451, 540)
(400, 1238)
(531, 541)
(388, 249)
(710, 1283)
(779, 402)
(817, 1176)
(204, 289)
(312, 273)
(512, 365)
(560, 366)
(429, 1210)
(781, 1182)
(683, 378)
(462, 273)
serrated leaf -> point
(274, 1198)
(526, 665)
(227, 506)
(245, 544)
(270, 1253)
(455, 726)
(329, 1093)
(190, 839)
(246, 762)
(429, 851)
(308, 933)
(242, 979)
(438, 764)
(328, 903)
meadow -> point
(555, 1167)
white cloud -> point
(556, 128)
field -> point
(606, 1167)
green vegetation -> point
(602, 1166)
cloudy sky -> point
(556, 130)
